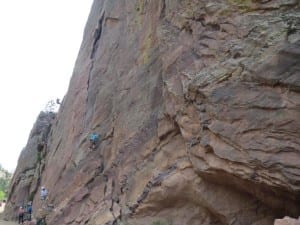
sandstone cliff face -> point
(26, 179)
(197, 103)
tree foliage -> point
(2, 195)
(5, 178)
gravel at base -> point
(2, 222)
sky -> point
(39, 43)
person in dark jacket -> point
(21, 215)
(29, 211)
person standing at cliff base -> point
(21, 215)
(29, 211)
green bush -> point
(5, 178)
(123, 223)
(39, 157)
(2, 195)
(31, 196)
(160, 222)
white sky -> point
(39, 43)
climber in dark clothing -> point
(94, 140)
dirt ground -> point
(2, 222)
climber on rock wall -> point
(44, 193)
(94, 140)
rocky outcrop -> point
(287, 221)
(197, 104)
(26, 179)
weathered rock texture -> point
(287, 221)
(26, 179)
(197, 103)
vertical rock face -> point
(197, 103)
(31, 162)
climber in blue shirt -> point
(94, 139)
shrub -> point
(2, 195)
(31, 196)
(161, 222)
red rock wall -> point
(26, 180)
(197, 103)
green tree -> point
(5, 178)
(2, 195)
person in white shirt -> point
(44, 193)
